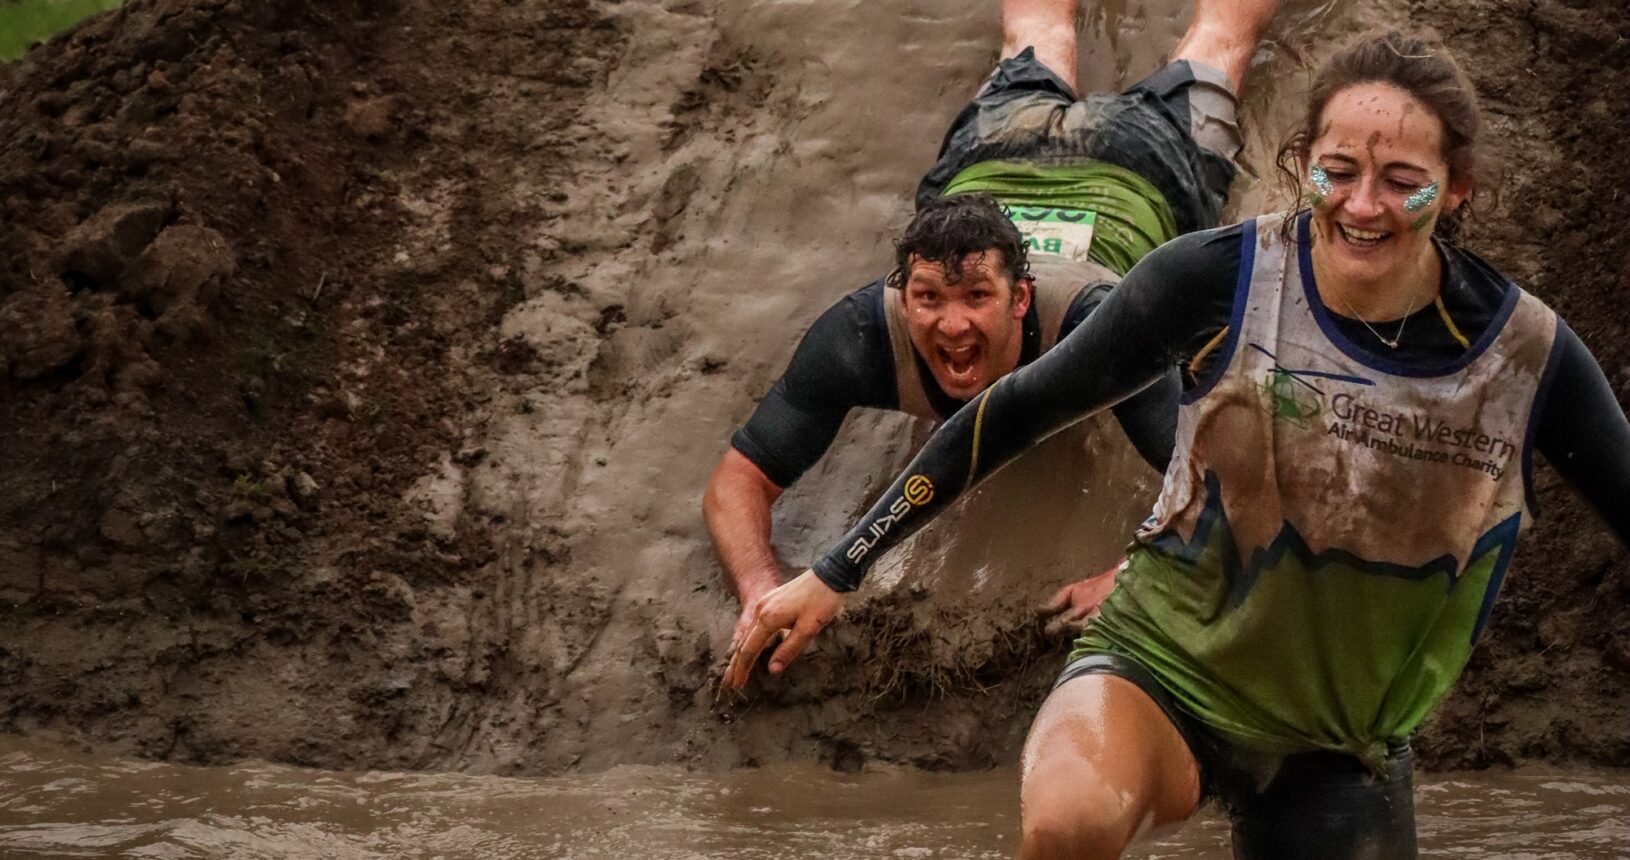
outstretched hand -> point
(802, 608)
(1075, 604)
(751, 592)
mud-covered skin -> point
(1307, 805)
(1167, 309)
(844, 361)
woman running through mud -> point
(1352, 469)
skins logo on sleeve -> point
(918, 491)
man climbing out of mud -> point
(1038, 203)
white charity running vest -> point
(1334, 526)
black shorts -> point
(1176, 128)
(1324, 805)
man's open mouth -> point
(960, 362)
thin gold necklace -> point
(1395, 338)
(1391, 344)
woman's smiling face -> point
(1379, 182)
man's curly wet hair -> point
(950, 228)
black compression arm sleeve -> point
(1584, 434)
(1154, 317)
(1150, 419)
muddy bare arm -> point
(836, 367)
(736, 506)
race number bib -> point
(1048, 230)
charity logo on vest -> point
(1417, 436)
(1290, 399)
(1294, 397)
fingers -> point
(743, 624)
(1082, 610)
(741, 662)
(805, 605)
(1059, 602)
(794, 644)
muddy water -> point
(59, 804)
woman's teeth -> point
(1362, 237)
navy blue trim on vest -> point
(1396, 368)
(1236, 317)
(1503, 537)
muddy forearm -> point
(736, 506)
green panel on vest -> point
(1325, 657)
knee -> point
(1090, 825)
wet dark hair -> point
(1418, 66)
(950, 228)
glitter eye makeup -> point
(1322, 184)
(1421, 199)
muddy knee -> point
(1061, 819)
(1103, 762)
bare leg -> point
(1224, 35)
(1102, 765)
(1046, 25)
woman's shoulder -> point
(1476, 294)
(1471, 282)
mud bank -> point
(362, 364)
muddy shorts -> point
(1324, 805)
(1177, 128)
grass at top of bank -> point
(24, 22)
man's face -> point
(970, 332)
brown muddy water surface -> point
(56, 803)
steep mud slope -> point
(251, 260)
(1552, 677)
(363, 364)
